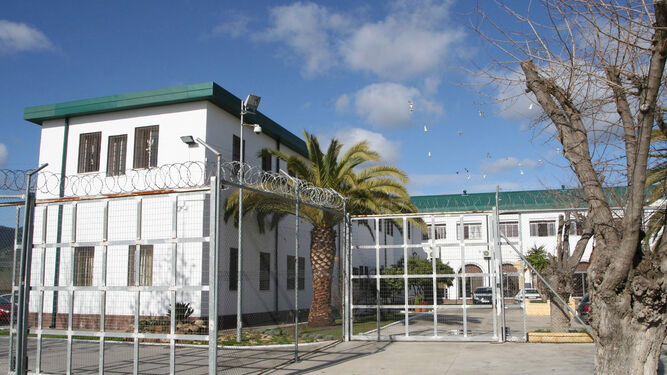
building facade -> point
(126, 147)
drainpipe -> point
(61, 194)
(275, 258)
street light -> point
(249, 105)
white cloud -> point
(308, 29)
(4, 154)
(507, 164)
(19, 37)
(234, 26)
(413, 39)
(389, 150)
(385, 105)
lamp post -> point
(248, 106)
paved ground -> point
(335, 358)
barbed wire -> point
(170, 177)
(282, 184)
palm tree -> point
(377, 189)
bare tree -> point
(595, 68)
(560, 273)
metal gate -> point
(108, 276)
(432, 277)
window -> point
(471, 231)
(575, 230)
(266, 163)
(389, 227)
(543, 228)
(83, 265)
(380, 225)
(89, 152)
(116, 155)
(264, 271)
(510, 228)
(409, 230)
(291, 265)
(236, 152)
(233, 268)
(440, 232)
(145, 146)
(145, 265)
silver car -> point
(531, 293)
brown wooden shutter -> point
(89, 152)
(116, 155)
(146, 146)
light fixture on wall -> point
(189, 140)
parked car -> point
(531, 293)
(482, 295)
(5, 308)
(584, 308)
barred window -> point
(389, 227)
(291, 266)
(233, 268)
(116, 155)
(264, 271)
(409, 230)
(440, 232)
(89, 152)
(543, 228)
(145, 266)
(510, 228)
(266, 163)
(146, 146)
(471, 231)
(84, 258)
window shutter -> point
(89, 152)
(116, 155)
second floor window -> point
(440, 231)
(471, 231)
(116, 155)
(89, 152)
(542, 228)
(510, 229)
(145, 146)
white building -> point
(528, 219)
(108, 145)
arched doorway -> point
(510, 282)
(472, 282)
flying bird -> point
(429, 154)
(411, 104)
(481, 113)
(488, 155)
(521, 171)
(425, 128)
(530, 106)
(460, 133)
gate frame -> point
(25, 273)
(495, 274)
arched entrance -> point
(472, 282)
(510, 282)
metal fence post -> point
(296, 283)
(24, 280)
(214, 246)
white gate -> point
(449, 289)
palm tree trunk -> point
(322, 252)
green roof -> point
(512, 200)
(181, 94)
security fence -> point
(449, 277)
(125, 274)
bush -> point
(183, 311)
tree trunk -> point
(633, 349)
(322, 252)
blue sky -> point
(336, 69)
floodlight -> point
(251, 103)
(188, 140)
